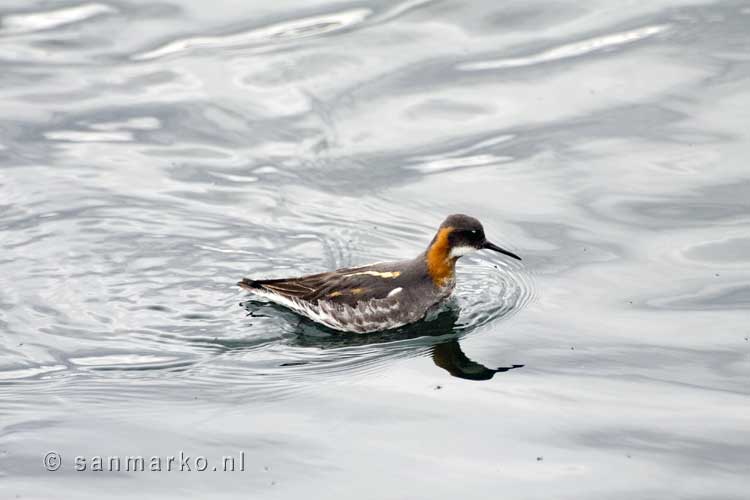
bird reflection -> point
(452, 359)
(439, 336)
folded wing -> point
(345, 286)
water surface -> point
(151, 154)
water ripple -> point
(29, 22)
(29, 372)
(274, 33)
(569, 50)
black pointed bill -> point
(492, 246)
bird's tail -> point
(249, 284)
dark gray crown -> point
(462, 222)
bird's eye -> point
(473, 231)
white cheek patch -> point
(395, 291)
(461, 250)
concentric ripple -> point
(486, 292)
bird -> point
(383, 295)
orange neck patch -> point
(439, 263)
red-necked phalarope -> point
(386, 294)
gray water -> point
(151, 154)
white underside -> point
(367, 316)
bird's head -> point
(462, 234)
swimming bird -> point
(383, 295)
